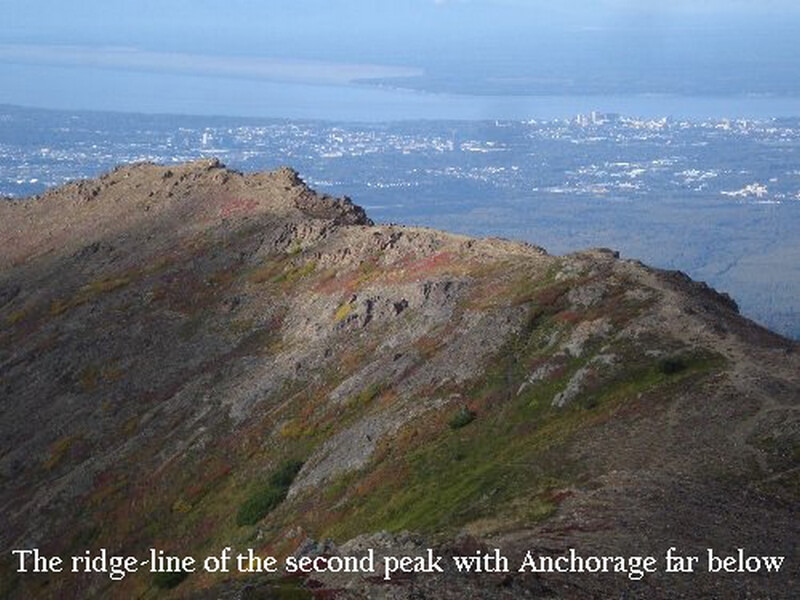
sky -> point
(315, 27)
(483, 47)
(50, 16)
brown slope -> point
(172, 335)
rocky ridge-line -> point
(171, 334)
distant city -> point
(605, 156)
(719, 199)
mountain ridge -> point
(173, 335)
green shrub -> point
(169, 580)
(285, 474)
(672, 365)
(462, 418)
(259, 505)
(265, 499)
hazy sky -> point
(493, 47)
(258, 26)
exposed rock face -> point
(169, 337)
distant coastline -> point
(76, 88)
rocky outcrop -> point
(174, 340)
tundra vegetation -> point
(193, 358)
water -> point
(76, 88)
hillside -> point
(193, 358)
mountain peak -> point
(188, 196)
(195, 358)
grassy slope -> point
(508, 469)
